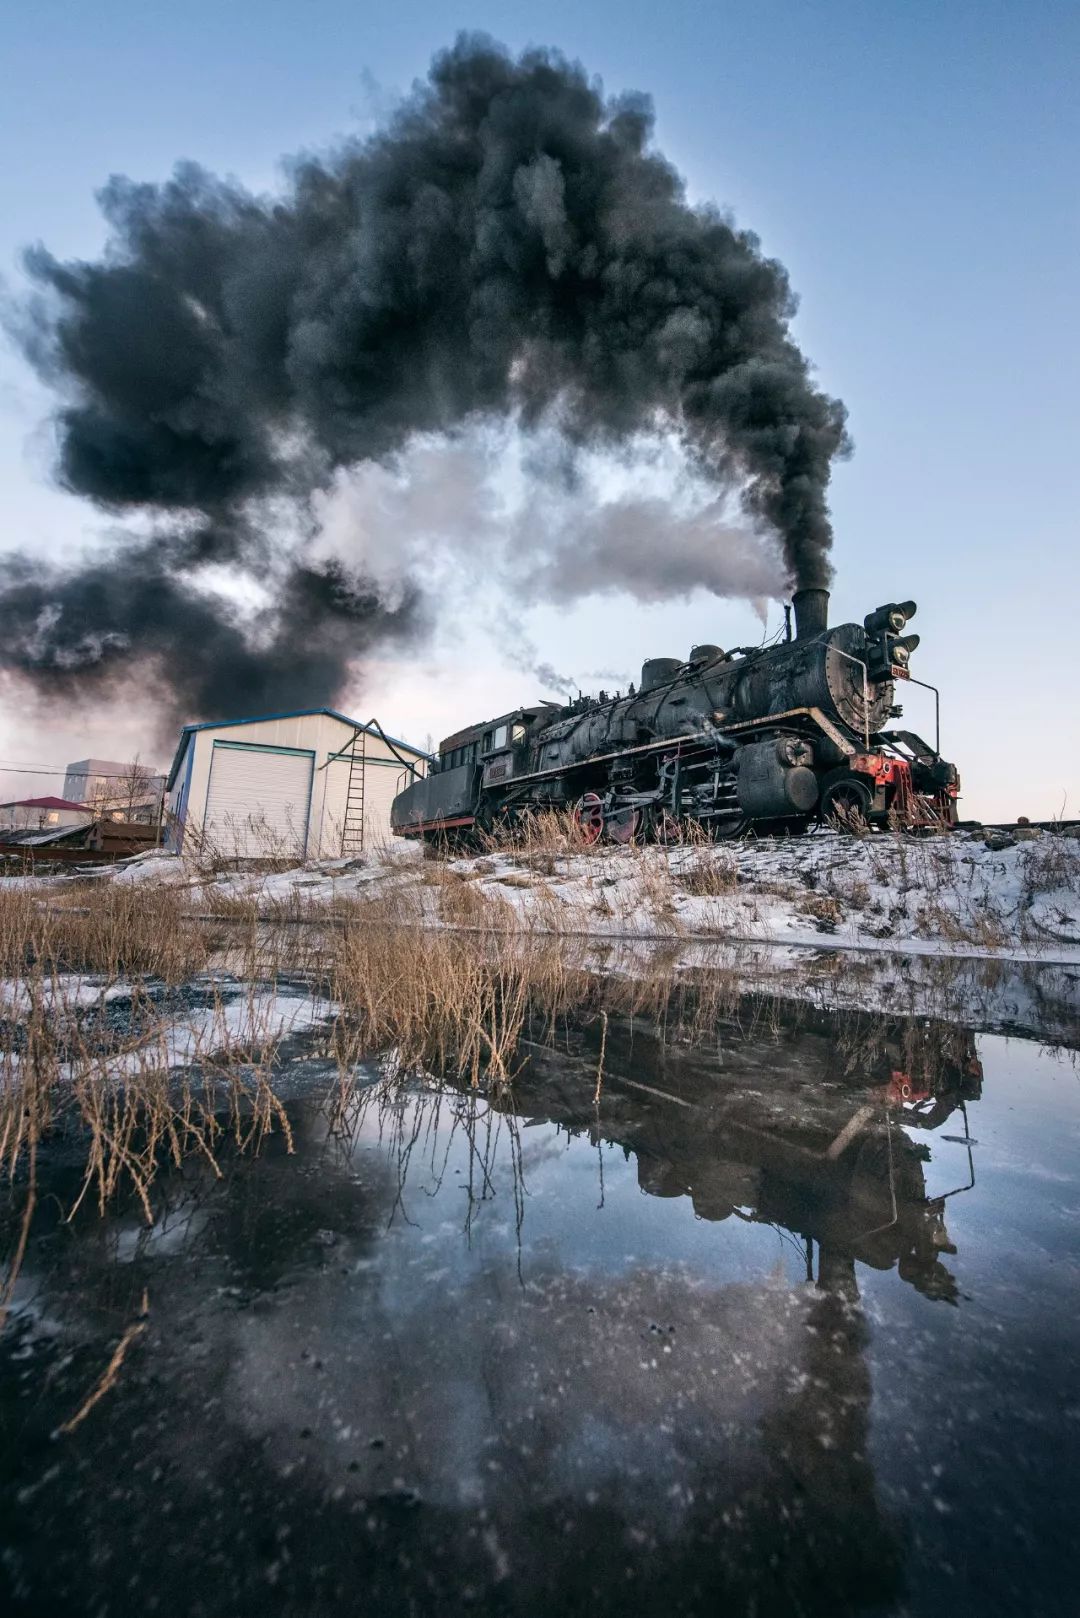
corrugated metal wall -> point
(382, 784)
(229, 798)
(258, 800)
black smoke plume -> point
(96, 622)
(510, 242)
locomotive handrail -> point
(865, 687)
(937, 709)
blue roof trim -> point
(265, 718)
(178, 758)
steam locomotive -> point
(770, 738)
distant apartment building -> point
(113, 788)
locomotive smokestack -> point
(811, 612)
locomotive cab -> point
(468, 763)
(501, 742)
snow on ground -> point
(948, 895)
(947, 927)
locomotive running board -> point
(604, 758)
(669, 742)
(835, 736)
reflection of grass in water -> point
(167, 1067)
(119, 1088)
(121, 1028)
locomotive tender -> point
(770, 738)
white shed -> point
(43, 814)
(306, 785)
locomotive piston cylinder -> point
(769, 789)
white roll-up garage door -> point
(258, 800)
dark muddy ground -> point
(781, 1324)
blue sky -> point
(913, 165)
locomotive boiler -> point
(772, 738)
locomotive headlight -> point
(887, 652)
(889, 619)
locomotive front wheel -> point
(845, 802)
(589, 817)
(726, 831)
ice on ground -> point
(68, 990)
(216, 1019)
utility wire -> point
(88, 775)
(21, 764)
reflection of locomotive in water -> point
(770, 737)
(827, 1154)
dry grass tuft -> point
(539, 840)
(980, 926)
(111, 929)
(1051, 864)
(711, 875)
(824, 909)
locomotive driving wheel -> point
(589, 817)
(845, 801)
(667, 829)
(623, 826)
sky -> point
(913, 165)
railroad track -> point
(1016, 825)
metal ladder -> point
(352, 831)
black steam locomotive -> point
(772, 738)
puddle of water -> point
(780, 1325)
